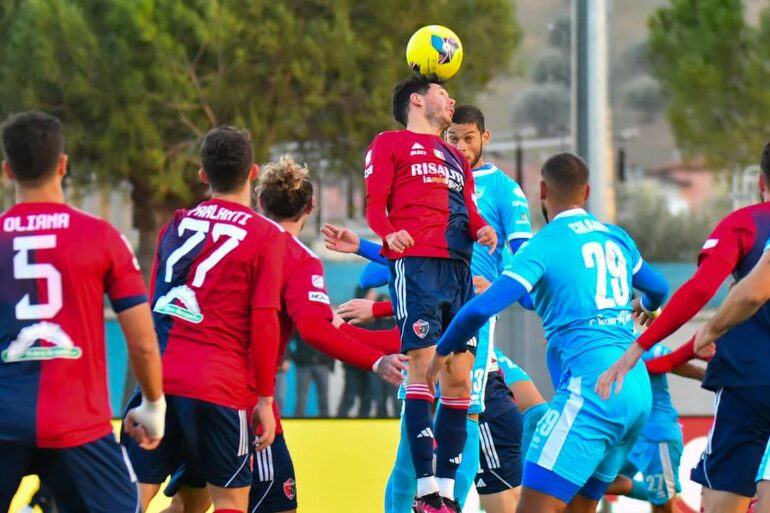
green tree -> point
(138, 82)
(545, 107)
(712, 67)
(642, 94)
(552, 66)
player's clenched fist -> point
(486, 236)
(147, 422)
(263, 419)
(399, 241)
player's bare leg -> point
(622, 485)
(532, 501)
(580, 504)
(763, 497)
(189, 500)
(229, 498)
(718, 501)
(147, 492)
(501, 502)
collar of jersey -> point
(571, 213)
(486, 169)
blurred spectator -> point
(280, 386)
(384, 395)
(313, 365)
(357, 384)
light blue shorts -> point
(659, 464)
(484, 352)
(583, 436)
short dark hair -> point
(566, 172)
(467, 115)
(403, 91)
(226, 157)
(764, 162)
(32, 144)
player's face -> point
(469, 140)
(439, 107)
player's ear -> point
(485, 137)
(310, 205)
(543, 190)
(61, 169)
(416, 99)
(588, 193)
(8, 171)
(762, 183)
(204, 178)
(253, 172)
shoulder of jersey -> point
(298, 249)
(87, 217)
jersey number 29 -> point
(610, 266)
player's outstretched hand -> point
(705, 346)
(642, 315)
(263, 419)
(399, 241)
(486, 236)
(617, 372)
(146, 423)
(436, 364)
(390, 368)
(357, 311)
(480, 284)
(340, 239)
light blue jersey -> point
(581, 271)
(512, 373)
(502, 203)
(663, 424)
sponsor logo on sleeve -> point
(319, 297)
(318, 281)
(368, 168)
(710, 243)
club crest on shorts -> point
(290, 489)
(421, 328)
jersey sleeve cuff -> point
(124, 303)
(519, 235)
(521, 280)
(638, 266)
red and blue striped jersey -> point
(742, 356)
(214, 265)
(56, 265)
(421, 184)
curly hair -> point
(285, 190)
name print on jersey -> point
(35, 222)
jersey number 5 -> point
(201, 228)
(24, 270)
(610, 266)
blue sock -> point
(466, 474)
(639, 490)
(399, 493)
(419, 428)
(450, 437)
(529, 420)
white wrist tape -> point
(152, 416)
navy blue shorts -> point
(737, 440)
(273, 483)
(93, 478)
(500, 466)
(214, 441)
(427, 293)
